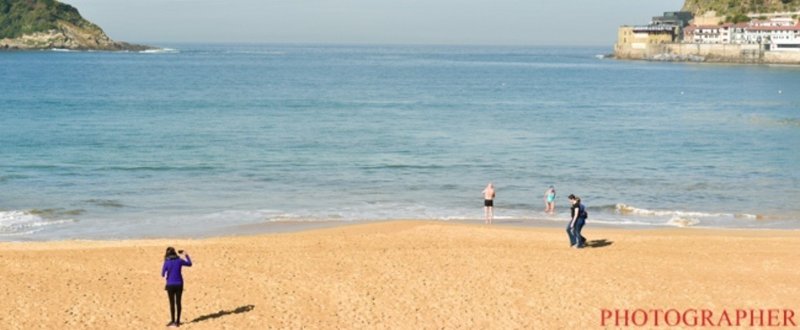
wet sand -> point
(404, 274)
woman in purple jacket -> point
(172, 272)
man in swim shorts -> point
(488, 203)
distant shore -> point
(122, 47)
(708, 53)
(400, 274)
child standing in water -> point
(488, 203)
(550, 200)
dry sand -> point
(409, 274)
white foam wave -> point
(257, 216)
(14, 223)
(682, 218)
(160, 51)
(683, 221)
(624, 209)
(256, 52)
(241, 215)
(60, 50)
(454, 218)
(623, 222)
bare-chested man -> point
(488, 203)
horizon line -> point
(309, 43)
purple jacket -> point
(172, 270)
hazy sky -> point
(473, 22)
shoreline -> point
(290, 227)
(793, 65)
(746, 54)
(398, 274)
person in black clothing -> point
(576, 223)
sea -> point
(199, 139)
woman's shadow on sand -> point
(238, 310)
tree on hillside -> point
(20, 17)
(734, 7)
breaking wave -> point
(16, 222)
(160, 51)
(679, 218)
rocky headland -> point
(49, 24)
(721, 31)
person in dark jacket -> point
(576, 223)
(172, 272)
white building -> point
(779, 34)
(705, 34)
(738, 33)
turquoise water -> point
(201, 138)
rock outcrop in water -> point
(48, 24)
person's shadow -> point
(238, 310)
(598, 243)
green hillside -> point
(733, 8)
(20, 17)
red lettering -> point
(706, 315)
(656, 315)
(741, 314)
(724, 317)
(788, 317)
(753, 317)
(616, 317)
(772, 315)
(639, 312)
(676, 317)
(604, 315)
(693, 317)
(698, 318)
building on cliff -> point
(661, 30)
(774, 34)
(672, 38)
(716, 34)
(633, 39)
(778, 36)
(675, 18)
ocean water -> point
(199, 139)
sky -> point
(412, 22)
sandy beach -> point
(404, 274)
